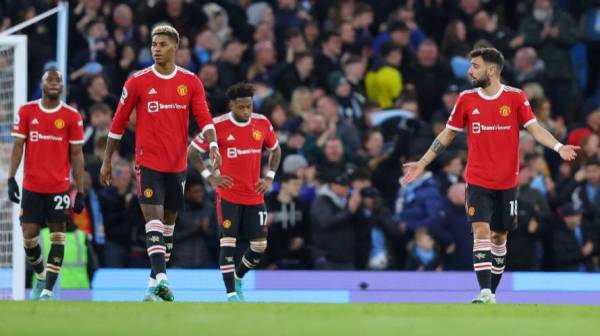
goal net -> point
(13, 93)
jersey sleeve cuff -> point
(272, 148)
(198, 148)
(115, 136)
(456, 129)
(18, 135)
(527, 124)
(76, 142)
(207, 127)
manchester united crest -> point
(471, 211)
(257, 135)
(59, 123)
(505, 111)
(226, 224)
(148, 192)
(182, 90)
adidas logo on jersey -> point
(230, 137)
(35, 121)
(475, 112)
(152, 91)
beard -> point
(482, 82)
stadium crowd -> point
(354, 89)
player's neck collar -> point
(47, 110)
(486, 97)
(159, 75)
(237, 123)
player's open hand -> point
(13, 190)
(215, 158)
(412, 170)
(568, 152)
(264, 185)
(106, 173)
(220, 181)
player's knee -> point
(228, 242)
(57, 238)
(29, 243)
(481, 231)
(258, 246)
(499, 238)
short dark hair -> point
(592, 161)
(240, 90)
(301, 54)
(167, 30)
(286, 177)
(389, 47)
(489, 55)
(326, 36)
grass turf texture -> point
(167, 319)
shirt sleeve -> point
(76, 130)
(271, 141)
(21, 127)
(524, 113)
(199, 144)
(457, 120)
(127, 103)
(200, 106)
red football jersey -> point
(48, 133)
(493, 124)
(162, 105)
(240, 145)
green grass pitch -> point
(167, 319)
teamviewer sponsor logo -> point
(37, 136)
(233, 152)
(478, 128)
(153, 106)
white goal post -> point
(13, 93)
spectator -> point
(430, 78)
(206, 47)
(534, 217)
(354, 71)
(301, 101)
(288, 227)
(552, 32)
(100, 116)
(487, 27)
(573, 244)
(96, 92)
(195, 236)
(375, 232)
(586, 195)
(351, 102)
(216, 98)
(423, 255)
(299, 73)
(455, 232)
(591, 117)
(230, 64)
(451, 173)
(264, 61)
(329, 107)
(334, 158)
(327, 59)
(123, 31)
(331, 228)
(543, 112)
(527, 67)
(384, 82)
(455, 40)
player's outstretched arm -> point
(15, 162)
(195, 160)
(78, 172)
(414, 169)
(541, 135)
(264, 185)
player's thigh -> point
(254, 222)
(228, 218)
(151, 186)
(151, 192)
(506, 210)
(479, 204)
(175, 187)
(32, 210)
(57, 208)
